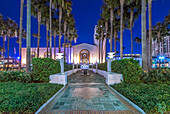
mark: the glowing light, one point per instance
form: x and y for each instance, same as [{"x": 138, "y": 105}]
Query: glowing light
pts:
[
  {"x": 111, "y": 54},
  {"x": 59, "y": 55},
  {"x": 161, "y": 57},
  {"x": 18, "y": 58}
]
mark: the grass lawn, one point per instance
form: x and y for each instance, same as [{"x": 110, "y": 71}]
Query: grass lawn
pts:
[
  {"x": 152, "y": 98},
  {"x": 25, "y": 97}
]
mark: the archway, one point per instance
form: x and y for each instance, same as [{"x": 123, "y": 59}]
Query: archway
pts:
[{"x": 84, "y": 56}]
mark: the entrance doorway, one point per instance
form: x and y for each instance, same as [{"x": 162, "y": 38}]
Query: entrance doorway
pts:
[{"x": 84, "y": 56}]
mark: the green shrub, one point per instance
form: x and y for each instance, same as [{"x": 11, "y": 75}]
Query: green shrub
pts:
[
  {"x": 129, "y": 68},
  {"x": 43, "y": 68},
  {"x": 25, "y": 98},
  {"x": 102, "y": 66},
  {"x": 152, "y": 98},
  {"x": 156, "y": 75},
  {"x": 19, "y": 76}
]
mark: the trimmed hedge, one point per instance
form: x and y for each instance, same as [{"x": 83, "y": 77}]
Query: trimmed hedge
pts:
[
  {"x": 102, "y": 66},
  {"x": 25, "y": 98},
  {"x": 19, "y": 76},
  {"x": 156, "y": 75},
  {"x": 152, "y": 98},
  {"x": 129, "y": 68},
  {"x": 43, "y": 68}
]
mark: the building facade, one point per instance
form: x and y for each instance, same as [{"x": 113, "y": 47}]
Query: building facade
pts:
[
  {"x": 82, "y": 53},
  {"x": 164, "y": 47}
]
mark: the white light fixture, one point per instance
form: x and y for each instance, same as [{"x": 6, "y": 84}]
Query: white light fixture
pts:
[
  {"x": 111, "y": 54},
  {"x": 59, "y": 55}
]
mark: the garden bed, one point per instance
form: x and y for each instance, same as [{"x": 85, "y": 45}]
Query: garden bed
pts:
[
  {"x": 152, "y": 98},
  {"x": 25, "y": 97}
]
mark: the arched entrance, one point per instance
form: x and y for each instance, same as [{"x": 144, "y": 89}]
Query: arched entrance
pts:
[{"x": 84, "y": 56}]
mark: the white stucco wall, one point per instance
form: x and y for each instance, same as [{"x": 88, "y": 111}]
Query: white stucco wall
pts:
[
  {"x": 44, "y": 50},
  {"x": 93, "y": 49}
]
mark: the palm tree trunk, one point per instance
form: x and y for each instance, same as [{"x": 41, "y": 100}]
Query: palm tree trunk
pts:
[
  {"x": 50, "y": 30},
  {"x": 70, "y": 51},
  {"x": 121, "y": 30},
  {"x": 47, "y": 27},
  {"x": 28, "y": 59},
  {"x": 111, "y": 32},
  {"x": 115, "y": 41},
  {"x": 60, "y": 17},
  {"x": 150, "y": 33},
  {"x": 131, "y": 24},
  {"x": 20, "y": 33},
  {"x": 65, "y": 27},
  {"x": 8, "y": 54},
  {"x": 4, "y": 36},
  {"x": 54, "y": 46},
  {"x": 102, "y": 46},
  {"x": 144, "y": 52},
  {"x": 162, "y": 45},
  {"x": 99, "y": 50},
  {"x": 38, "y": 42},
  {"x": 158, "y": 42},
  {"x": 106, "y": 30}
]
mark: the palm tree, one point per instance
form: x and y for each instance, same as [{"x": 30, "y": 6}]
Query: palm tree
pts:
[
  {"x": 38, "y": 6},
  {"x": 144, "y": 52},
  {"x": 105, "y": 15},
  {"x": 45, "y": 21},
  {"x": 121, "y": 29},
  {"x": 150, "y": 32},
  {"x": 3, "y": 31},
  {"x": 50, "y": 17},
  {"x": 20, "y": 32},
  {"x": 28, "y": 59},
  {"x": 61, "y": 5},
  {"x": 55, "y": 32},
  {"x": 134, "y": 7},
  {"x": 66, "y": 16},
  {"x": 11, "y": 28},
  {"x": 111, "y": 4}
]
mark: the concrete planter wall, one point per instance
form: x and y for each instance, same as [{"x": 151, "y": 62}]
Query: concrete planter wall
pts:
[
  {"x": 61, "y": 78},
  {"x": 111, "y": 78}
]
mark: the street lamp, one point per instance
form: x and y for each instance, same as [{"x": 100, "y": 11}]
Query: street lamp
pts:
[
  {"x": 60, "y": 58},
  {"x": 161, "y": 58},
  {"x": 109, "y": 60}
]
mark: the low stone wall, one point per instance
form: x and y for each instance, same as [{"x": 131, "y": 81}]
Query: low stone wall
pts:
[
  {"x": 61, "y": 78},
  {"x": 111, "y": 78}
]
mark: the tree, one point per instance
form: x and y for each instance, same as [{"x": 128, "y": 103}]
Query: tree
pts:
[
  {"x": 150, "y": 33},
  {"x": 112, "y": 4},
  {"x": 11, "y": 28},
  {"x": 28, "y": 59},
  {"x": 66, "y": 16},
  {"x": 38, "y": 6},
  {"x": 121, "y": 29},
  {"x": 3, "y": 31},
  {"x": 61, "y": 5},
  {"x": 55, "y": 33},
  {"x": 134, "y": 9},
  {"x": 144, "y": 52},
  {"x": 105, "y": 15},
  {"x": 50, "y": 16},
  {"x": 20, "y": 32}
]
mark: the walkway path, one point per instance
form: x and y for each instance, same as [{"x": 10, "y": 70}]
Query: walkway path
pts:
[{"x": 88, "y": 94}]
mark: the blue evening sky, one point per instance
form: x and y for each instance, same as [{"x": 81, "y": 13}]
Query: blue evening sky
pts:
[{"x": 86, "y": 13}]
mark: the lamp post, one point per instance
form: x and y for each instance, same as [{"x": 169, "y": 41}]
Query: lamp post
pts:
[
  {"x": 160, "y": 59},
  {"x": 109, "y": 60},
  {"x": 61, "y": 59}
]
